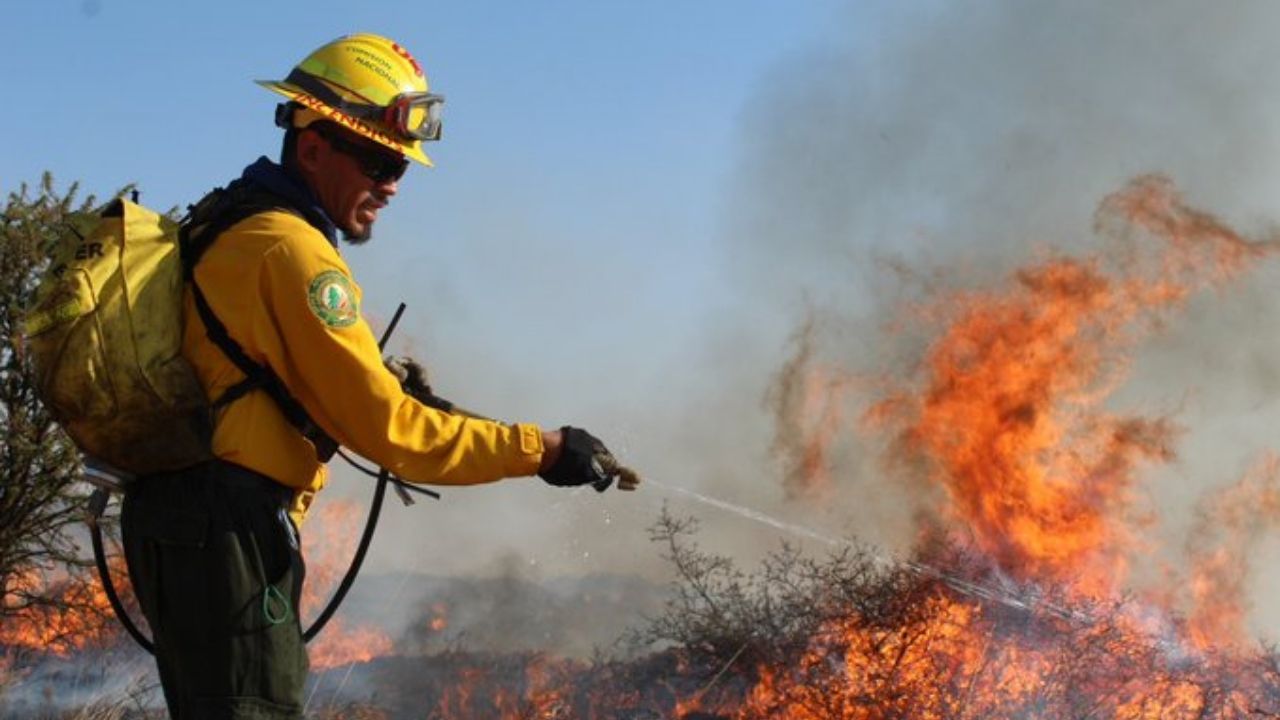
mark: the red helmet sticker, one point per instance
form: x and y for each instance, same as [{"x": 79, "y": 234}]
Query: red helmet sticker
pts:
[{"x": 405, "y": 54}]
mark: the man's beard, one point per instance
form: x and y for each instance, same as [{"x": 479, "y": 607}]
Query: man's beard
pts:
[{"x": 359, "y": 238}]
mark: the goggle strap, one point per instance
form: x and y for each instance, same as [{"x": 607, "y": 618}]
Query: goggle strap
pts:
[
  {"x": 394, "y": 116},
  {"x": 325, "y": 94}
]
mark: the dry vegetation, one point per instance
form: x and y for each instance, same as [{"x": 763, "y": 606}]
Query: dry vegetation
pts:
[
  {"x": 40, "y": 499},
  {"x": 847, "y": 636}
]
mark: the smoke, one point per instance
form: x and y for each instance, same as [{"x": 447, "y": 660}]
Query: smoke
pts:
[
  {"x": 103, "y": 683},
  {"x": 922, "y": 146},
  {"x": 970, "y": 132}
]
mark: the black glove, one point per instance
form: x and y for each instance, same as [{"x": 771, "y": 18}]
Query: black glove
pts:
[
  {"x": 584, "y": 460},
  {"x": 413, "y": 380}
]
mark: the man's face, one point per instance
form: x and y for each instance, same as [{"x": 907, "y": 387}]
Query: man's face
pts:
[{"x": 340, "y": 165}]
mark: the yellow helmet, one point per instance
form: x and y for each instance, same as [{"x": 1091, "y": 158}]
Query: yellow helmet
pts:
[{"x": 368, "y": 85}]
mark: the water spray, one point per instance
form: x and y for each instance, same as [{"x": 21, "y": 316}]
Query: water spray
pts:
[{"x": 959, "y": 584}]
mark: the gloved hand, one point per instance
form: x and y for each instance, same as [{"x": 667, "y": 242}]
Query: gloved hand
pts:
[
  {"x": 584, "y": 460},
  {"x": 413, "y": 380}
]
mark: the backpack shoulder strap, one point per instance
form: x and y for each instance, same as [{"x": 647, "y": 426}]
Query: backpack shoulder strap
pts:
[
  {"x": 213, "y": 215},
  {"x": 217, "y": 212}
]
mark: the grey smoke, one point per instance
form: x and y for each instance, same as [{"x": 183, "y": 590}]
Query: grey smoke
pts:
[
  {"x": 973, "y": 131},
  {"x": 947, "y": 143}
]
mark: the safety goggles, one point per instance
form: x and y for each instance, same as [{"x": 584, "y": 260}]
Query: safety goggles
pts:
[
  {"x": 377, "y": 164},
  {"x": 411, "y": 115},
  {"x": 415, "y": 115}
]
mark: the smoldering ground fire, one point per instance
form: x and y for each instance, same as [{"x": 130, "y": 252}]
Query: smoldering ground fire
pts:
[{"x": 1020, "y": 597}]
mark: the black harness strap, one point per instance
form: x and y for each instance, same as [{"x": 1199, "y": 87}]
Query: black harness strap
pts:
[
  {"x": 216, "y": 213},
  {"x": 259, "y": 377}
]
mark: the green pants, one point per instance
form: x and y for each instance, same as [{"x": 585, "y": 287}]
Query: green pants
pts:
[{"x": 215, "y": 564}]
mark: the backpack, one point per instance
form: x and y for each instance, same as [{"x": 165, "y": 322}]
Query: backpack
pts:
[{"x": 105, "y": 336}]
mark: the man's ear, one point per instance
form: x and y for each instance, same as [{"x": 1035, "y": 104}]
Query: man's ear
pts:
[{"x": 310, "y": 151}]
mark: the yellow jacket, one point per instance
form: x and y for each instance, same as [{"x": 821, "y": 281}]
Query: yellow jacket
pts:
[{"x": 286, "y": 296}]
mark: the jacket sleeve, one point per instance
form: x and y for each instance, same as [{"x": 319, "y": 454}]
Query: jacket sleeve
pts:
[{"x": 316, "y": 340}]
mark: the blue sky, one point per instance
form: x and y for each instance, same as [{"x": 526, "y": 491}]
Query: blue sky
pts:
[
  {"x": 559, "y": 86},
  {"x": 587, "y": 151}
]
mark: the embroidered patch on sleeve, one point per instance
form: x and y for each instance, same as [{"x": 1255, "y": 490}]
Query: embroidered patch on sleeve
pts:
[{"x": 332, "y": 299}]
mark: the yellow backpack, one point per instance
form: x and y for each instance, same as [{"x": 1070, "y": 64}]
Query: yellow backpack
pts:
[{"x": 105, "y": 338}]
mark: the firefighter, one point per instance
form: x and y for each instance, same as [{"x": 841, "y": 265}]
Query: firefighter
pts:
[{"x": 213, "y": 550}]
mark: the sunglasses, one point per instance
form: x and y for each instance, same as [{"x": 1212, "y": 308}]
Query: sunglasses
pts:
[{"x": 376, "y": 164}]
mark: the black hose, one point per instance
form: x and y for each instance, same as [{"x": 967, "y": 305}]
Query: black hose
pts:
[
  {"x": 370, "y": 524},
  {"x": 355, "y": 464},
  {"x": 108, "y": 587}
]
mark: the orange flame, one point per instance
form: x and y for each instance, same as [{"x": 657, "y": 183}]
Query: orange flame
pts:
[
  {"x": 539, "y": 688},
  {"x": 1009, "y": 416},
  {"x": 339, "y": 645},
  {"x": 807, "y": 402},
  {"x": 1230, "y": 523},
  {"x": 70, "y": 611},
  {"x": 329, "y": 540},
  {"x": 439, "y": 619}
]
